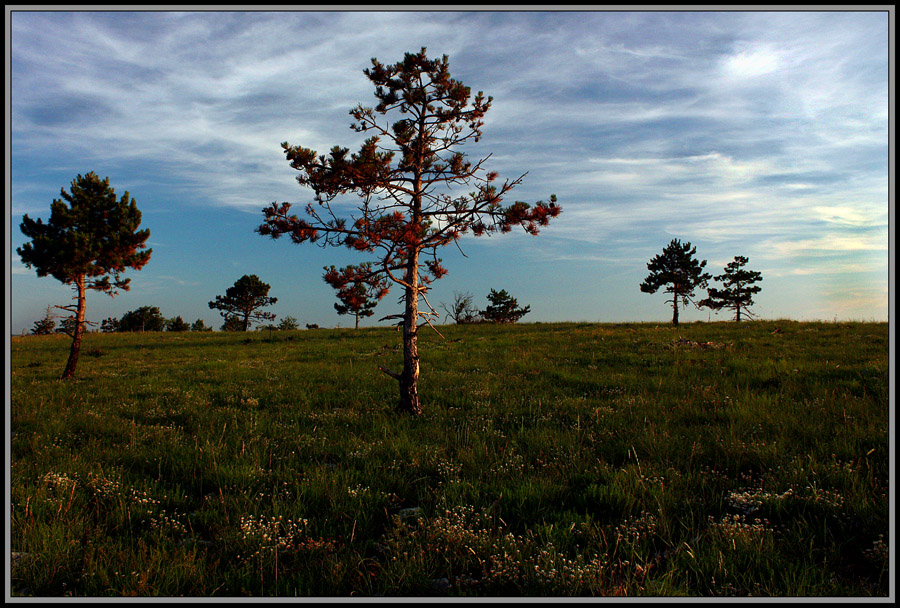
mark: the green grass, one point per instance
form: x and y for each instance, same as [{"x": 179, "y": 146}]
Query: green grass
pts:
[{"x": 551, "y": 459}]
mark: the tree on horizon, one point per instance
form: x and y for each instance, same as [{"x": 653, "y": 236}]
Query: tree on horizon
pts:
[
  {"x": 503, "y": 308},
  {"x": 738, "y": 291},
  {"x": 89, "y": 240},
  {"x": 360, "y": 296},
  {"x": 462, "y": 310},
  {"x": 407, "y": 175},
  {"x": 141, "y": 319},
  {"x": 679, "y": 272},
  {"x": 242, "y": 303}
]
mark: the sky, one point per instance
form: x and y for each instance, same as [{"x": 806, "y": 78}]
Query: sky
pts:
[{"x": 754, "y": 133}]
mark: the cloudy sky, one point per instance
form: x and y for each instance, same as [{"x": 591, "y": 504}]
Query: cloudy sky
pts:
[{"x": 762, "y": 134}]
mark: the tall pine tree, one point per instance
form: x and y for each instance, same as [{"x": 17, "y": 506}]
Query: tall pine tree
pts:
[
  {"x": 408, "y": 176},
  {"x": 89, "y": 240},
  {"x": 679, "y": 272}
]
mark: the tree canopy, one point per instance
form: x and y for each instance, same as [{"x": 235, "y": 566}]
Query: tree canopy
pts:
[
  {"x": 90, "y": 239},
  {"x": 358, "y": 297},
  {"x": 503, "y": 308},
  {"x": 408, "y": 176},
  {"x": 738, "y": 291},
  {"x": 144, "y": 318},
  {"x": 679, "y": 272},
  {"x": 242, "y": 303}
]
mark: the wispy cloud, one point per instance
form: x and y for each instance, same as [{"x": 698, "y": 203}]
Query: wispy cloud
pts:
[{"x": 763, "y": 131}]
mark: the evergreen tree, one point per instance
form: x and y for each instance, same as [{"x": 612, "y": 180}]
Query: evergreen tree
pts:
[
  {"x": 503, "y": 308},
  {"x": 357, "y": 297},
  {"x": 233, "y": 323},
  {"x": 177, "y": 324},
  {"x": 288, "y": 323},
  {"x": 738, "y": 291},
  {"x": 199, "y": 325},
  {"x": 408, "y": 176},
  {"x": 677, "y": 270},
  {"x": 145, "y": 318},
  {"x": 44, "y": 326},
  {"x": 89, "y": 240},
  {"x": 109, "y": 325},
  {"x": 67, "y": 326},
  {"x": 242, "y": 303}
]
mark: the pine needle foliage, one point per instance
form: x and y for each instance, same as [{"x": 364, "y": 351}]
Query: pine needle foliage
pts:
[
  {"x": 679, "y": 272},
  {"x": 90, "y": 239},
  {"x": 738, "y": 291},
  {"x": 407, "y": 175}
]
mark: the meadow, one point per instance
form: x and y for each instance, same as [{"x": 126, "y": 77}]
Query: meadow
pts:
[{"x": 709, "y": 459}]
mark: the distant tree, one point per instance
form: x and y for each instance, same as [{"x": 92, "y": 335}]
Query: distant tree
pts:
[
  {"x": 409, "y": 176},
  {"x": 462, "y": 310},
  {"x": 232, "y": 323},
  {"x": 677, "y": 270},
  {"x": 109, "y": 325},
  {"x": 358, "y": 289},
  {"x": 145, "y": 318},
  {"x": 45, "y": 326},
  {"x": 89, "y": 240},
  {"x": 243, "y": 302},
  {"x": 738, "y": 291},
  {"x": 503, "y": 308},
  {"x": 67, "y": 326},
  {"x": 288, "y": 323},
  {"x": 177, "y": 324},
  {"x": 199, "y": 325}
]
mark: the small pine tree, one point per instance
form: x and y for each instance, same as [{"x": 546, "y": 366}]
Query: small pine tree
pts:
[
  {"x": 233, "y": 323},
  {"x": 359, "y": 289},
  {"x": 67, "y": 326},
  {"x": 45, "y": 326},
  {"x": 288, "y": 323},
  {"x": 739, "y": 289},
  {"x": 503, "y": 308},
  {"x": 177, "y": 324},
  {"x": 145, "y": 318},
  {"x": 199, "y": 325},
  {"x": 242, "y": 303},
  {"x": 677, "y": 270}
]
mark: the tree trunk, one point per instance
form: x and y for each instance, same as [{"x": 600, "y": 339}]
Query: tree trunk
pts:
[
  {"x": 409, "y": 379},
  {"x": 357, "y": 320},
  {"x": 675, "y": 310},
  {"x": 79, "y": 331}
]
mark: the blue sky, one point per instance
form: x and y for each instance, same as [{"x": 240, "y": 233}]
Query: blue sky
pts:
[{"x": 763, "y": 134}]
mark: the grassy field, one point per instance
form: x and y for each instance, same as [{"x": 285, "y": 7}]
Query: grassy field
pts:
[{"x": 711, "y": 459}]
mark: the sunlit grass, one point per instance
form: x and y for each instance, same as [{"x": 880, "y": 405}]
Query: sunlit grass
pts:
[{"x": 552, "y": 459}]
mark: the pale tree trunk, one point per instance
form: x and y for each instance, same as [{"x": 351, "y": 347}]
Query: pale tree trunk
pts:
[
  {"x": 79, "y": 331},
  {"x": 409, "y": 378}
]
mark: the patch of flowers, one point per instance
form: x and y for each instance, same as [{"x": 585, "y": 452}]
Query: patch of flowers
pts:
[
  {"x": 468, "y": 549},
  {"x": 749, "y": 500}
]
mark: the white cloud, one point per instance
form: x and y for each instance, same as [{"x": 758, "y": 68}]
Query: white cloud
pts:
[
  {"x": 752, "y": 62},
  {"x": 832, "y": 242},
  {"x": 762, "y": 130}
]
